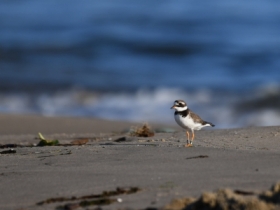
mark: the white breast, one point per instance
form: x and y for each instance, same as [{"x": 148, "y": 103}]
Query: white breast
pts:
[{"x": 184, "y": 122}]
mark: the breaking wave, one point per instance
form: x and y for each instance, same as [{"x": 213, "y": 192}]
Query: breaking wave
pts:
[{"x": 226, "y": 110}]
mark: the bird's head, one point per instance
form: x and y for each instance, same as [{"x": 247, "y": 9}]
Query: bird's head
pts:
[{"x": 179, "y": 105}]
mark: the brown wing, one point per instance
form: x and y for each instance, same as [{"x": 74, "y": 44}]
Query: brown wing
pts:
[{"x": 196, "y": 118}]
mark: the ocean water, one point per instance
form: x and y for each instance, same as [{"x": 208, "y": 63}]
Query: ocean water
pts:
[{"x": 129, "y": 60}]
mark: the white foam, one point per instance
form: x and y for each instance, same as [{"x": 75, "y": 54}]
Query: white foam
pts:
[{"x": 141, "y": 106}]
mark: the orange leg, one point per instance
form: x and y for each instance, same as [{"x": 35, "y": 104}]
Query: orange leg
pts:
[
  {"x": 188, "y": 136},
  {"x": 192, "y": 135}
]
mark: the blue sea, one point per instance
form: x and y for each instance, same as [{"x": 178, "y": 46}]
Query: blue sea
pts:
[{"x": 129, "y": 60}]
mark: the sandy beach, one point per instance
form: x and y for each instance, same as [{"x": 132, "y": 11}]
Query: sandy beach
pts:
[{"x": 113, "y": 170}]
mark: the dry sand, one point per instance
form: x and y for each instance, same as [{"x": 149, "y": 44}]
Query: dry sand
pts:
[{"x": 245, "y": 159}]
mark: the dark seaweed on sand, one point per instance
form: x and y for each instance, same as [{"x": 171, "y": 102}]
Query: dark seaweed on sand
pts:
[
  {"x": 103, "y": 198},
  {"x": 45, "y": 142},
  {"x": 10, "y": 151}
]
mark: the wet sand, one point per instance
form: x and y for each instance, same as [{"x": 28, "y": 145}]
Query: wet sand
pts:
[{"x": 159, "y": 166}]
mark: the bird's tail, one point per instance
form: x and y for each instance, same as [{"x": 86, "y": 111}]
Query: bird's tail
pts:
[{"x": 208, "y": 124}]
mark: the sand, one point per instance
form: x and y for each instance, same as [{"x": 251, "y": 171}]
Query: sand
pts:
[{"x": 160, "y": 168}]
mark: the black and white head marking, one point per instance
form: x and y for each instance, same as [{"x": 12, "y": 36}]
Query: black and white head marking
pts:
[{"x": 180, "y": 105}]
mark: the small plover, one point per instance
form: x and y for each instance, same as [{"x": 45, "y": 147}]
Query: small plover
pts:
[{"x": 188, "y": 120}]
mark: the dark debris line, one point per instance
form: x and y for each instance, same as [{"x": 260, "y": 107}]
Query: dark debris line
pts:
[
  {"x": 199, "y": 156},
  {"x": 10, "y": 151},
  {"x": 95, "y": 199}
]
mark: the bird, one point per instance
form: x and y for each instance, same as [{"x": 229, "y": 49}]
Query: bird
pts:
[{"x": 188, "y": 120}]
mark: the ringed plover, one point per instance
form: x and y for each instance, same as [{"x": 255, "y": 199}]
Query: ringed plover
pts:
[{"x": 188, "y": 119}]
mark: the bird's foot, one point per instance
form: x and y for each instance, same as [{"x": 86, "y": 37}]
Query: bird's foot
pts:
[{"x": 188, "y": 145}]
